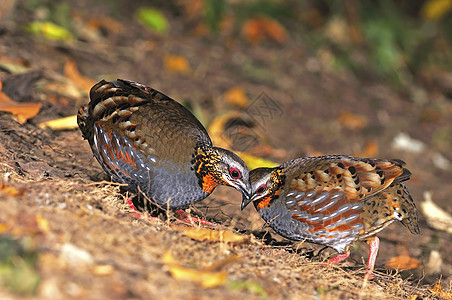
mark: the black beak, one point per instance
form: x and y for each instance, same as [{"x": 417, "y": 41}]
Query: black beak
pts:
[
  {"x": 246, "y": 201},
  {"x": 244, "y": 188}
]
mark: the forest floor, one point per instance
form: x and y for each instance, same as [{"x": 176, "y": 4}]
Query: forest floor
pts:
[{"x": 71, "y": 235}]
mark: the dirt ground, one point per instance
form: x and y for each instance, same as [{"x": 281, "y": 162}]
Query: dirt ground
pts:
[{"x": 87, "y": 245}]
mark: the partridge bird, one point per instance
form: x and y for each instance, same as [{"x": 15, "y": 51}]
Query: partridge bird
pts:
[
  {"x": 153, "y": 144},
  {"x": 334, "y": 200}
]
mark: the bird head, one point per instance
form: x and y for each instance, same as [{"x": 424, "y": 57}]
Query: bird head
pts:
[
  {"x": 216, "y": 166},
  {"x": 265, "y": 186}
]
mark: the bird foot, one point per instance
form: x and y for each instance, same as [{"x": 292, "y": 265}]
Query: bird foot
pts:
[
  {"x": 337, "y": 259},
  {"x": 135, "y": 213},
  {"x": 182, "y": 216}
]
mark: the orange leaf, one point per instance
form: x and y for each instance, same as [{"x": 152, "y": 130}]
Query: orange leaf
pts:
[
  {"x": 103, "y": 270},
  {"x": 237, "y": 96},
  {"x": 176, "y": 64},
  {"x": 61, "y": 124},
  {"x": 205, "y": 234},
  {"x": 403, "y": 262},
  {"x": 9, "y": 190},
  {"x": 22, "y": 111},
  {"x": 438, "y": 291},
  {"x": 105, "y": 22},
  {"x": 352, "y": 121},
  {"x": 82, "y": 82},
  {"x": 43, "y": 225},
  {"x": 370, "y": 150},
  {"x": 252, "y": 31},
  {"x": 4, "y": 227},
  {"x": 256, "y": 29},
  {"x": 276, "y": 31},
  {"x": 205, "y": 278}
]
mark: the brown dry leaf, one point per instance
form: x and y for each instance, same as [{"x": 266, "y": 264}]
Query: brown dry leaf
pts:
[
  {"x": 216, "y": 129},
  {"x": 370, "y": 150},
  {"x": 206, "y": 279},
  {"x": 103, "y": 270},
  {"x": 437, "y": 217},
  {"x": 236, "y": 96},
  {"x": 13, "y": 65},
  {"x": 194, "y": 9},
  {"x": 256, "y": 29},
  {"x": 403, "y": 262},
  {"x": 352, "y": 121},
  {"x": 205, "y": 234},
  {"x": 435, "y": 9},
  {"x": 10, "y": 190},
  {"x": 176, "y": 64},
  {"x": 61, "y": 124},
  {"x": 3, "y": 227},
  {"x": 438, "y": 291},
  {"x": 43, "y": 225},
  {"x": 82, "y": 82},
  {"x": 22, "y": 111},
  {"x": 105, "y": 22}
]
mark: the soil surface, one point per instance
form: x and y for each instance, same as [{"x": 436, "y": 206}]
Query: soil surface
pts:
[{"x": 298, "y": 107}]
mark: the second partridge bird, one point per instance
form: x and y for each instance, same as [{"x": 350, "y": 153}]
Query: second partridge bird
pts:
[
  {"x": 149, "y": 141},
  {"x": 334, "y": 200}
]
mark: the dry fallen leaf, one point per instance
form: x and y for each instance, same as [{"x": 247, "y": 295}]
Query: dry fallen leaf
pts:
[
  {"x": 176, "y": 64},
  {"x": 436, "y": 217},
  {"x": 205, "y": 234},
  {"x": 43, "y": 225},
  {"x": 206, "y": 279},
  {"x": 217, "y": 129},
  {"x": 4, "y": 227},
  {"x": 435, "y": 9},
  {"x": 369, "y": 150},
  {"x": 434, "y": 264},
  {"x": 256, "y": 29},
  {"x": 438, "y": 291},
  {"x": 237, "y": 96},
  {"x": 404, "y": 142},
  {"x": 10, "y": 190},
  {"x": 352, "y": 121},
  {"x": 253, "y": 162},
  {"x": 104, "y": 22},
  {"x": 403, "y": 262},
  {"x": 103, "y": 270},
  {"x": 61, "y": 124},
  {"x": 82, "y": 82},
  {"x": 22, "y": 111}
]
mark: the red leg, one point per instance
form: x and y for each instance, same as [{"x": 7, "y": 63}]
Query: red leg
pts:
[
  {"x": 337, "y": 259},
  {"x": 184, "y": 217},
  {"x": 374, "y": 244},
  {"x": 135, "y": 212}
]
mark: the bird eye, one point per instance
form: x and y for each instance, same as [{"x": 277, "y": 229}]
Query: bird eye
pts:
[
  {"x": 261, "y": 189},
  {"x": 235, "y": 173}
]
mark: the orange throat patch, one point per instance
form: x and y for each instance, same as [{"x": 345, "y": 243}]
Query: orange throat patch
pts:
[
  {"x": 208, "y": 183},
  {"x": 265, "y": 202}
]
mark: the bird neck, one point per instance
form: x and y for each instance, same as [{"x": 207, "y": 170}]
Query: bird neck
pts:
[{"x": 206, "y": 161}]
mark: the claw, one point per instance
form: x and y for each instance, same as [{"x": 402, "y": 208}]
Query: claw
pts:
[{"x": 337, "y": 259}]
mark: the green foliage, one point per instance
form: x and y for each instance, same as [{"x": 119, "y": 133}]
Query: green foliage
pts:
[
  {"x": 214, "y": 13},
  {"x": 18, "y": 261},
  {"x": 250, "y": 286},
  {"x": 153, "y": 19}
]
